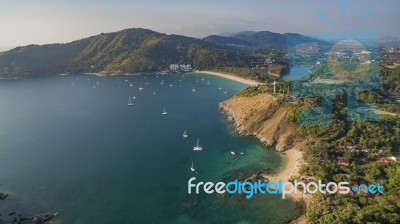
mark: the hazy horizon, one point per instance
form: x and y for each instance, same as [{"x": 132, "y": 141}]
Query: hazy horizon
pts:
[{"x": 27, "y": 22}]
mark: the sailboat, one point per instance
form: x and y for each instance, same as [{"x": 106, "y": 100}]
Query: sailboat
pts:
[
  {"x": 185, "y": 135},
  {"x": 233, "y": 153},
  {"x": 192, "y": 168},
  {"x": 220, "y": 87},
  {"x": 130, "y": 84},
  {"x": 164, "y": 112},
  {"x": 226, "y": 91},
  {"x": 140, "y": 88},
  {"x": 130, "y": 103},
  {"x": 97, "y": 83},
  {"x": 170, "y": 85},
  {"x": 193, "y": 90},
  {"x": 197, "y": 147}
]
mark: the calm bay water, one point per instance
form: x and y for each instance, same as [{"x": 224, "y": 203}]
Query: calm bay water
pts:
[{"x": 68, "y": 147}]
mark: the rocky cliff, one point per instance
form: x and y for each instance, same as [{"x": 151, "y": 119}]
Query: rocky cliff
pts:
[{"x": 261, "y": 116}]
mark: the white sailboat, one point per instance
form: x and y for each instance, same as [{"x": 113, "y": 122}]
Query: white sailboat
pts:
[
  {"x": 130, "y": 84},
  {"x": 197, "y": 147},
  {"x": 140, "y": 87},
  {"x": 130, "y": 103},
  {"x": 192, "y": 168},
  {"x": 233, "y": 153},
  {"x": 193, "y": 89},
  {"x": 164, "y": 112},
  {"x": 220, "y": 87},
  {"x": 226, "y": 91},
  {"x": 185, "y": 135}
]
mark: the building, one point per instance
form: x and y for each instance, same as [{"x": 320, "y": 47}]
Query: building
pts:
[
  {"x": 185, "y": 68},
  {"x": 180, "y": 67},
  {"x": 342, "y": 161},
  {"x": 174, "y": 67}
]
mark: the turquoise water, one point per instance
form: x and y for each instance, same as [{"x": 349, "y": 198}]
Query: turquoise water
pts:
[{"x": 70, "y": 148}]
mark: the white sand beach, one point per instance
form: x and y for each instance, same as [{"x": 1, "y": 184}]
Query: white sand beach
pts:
[{"x": 232, "y": 77}]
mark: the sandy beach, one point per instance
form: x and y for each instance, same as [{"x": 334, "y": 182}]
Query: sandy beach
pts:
[
  {"x": 294, "y": 159},
  {"x": 232, "y": 77}
]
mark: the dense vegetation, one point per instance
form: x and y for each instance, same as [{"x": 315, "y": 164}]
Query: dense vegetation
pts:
[
  {"x": 371, "y": 144},
  {"x": 365, "y": 149}
]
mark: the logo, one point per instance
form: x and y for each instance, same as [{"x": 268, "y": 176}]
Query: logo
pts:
[
  {"x": 344, "y": 61},
  {"x": 279, "y": 187}
]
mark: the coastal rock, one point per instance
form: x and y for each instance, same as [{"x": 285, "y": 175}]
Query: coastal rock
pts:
[
  {"x": 3, "y": 196},
  {"x": 261, "y": 116},
  {"x": 40, "y": 219}
]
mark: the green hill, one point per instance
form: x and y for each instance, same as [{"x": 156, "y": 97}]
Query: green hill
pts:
[{"x": 130, "y": 50}]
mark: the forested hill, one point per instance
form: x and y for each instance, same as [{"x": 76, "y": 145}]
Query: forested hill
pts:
[{"x": 131, "y": 50}]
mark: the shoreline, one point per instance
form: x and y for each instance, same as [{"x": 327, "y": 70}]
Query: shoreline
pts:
[
  {"x": 293, "y": 156},
  {"x": 232, "y": 77},
  {"x": 290, "y": 169}
]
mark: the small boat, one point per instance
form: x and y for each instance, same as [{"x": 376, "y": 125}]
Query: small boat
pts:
[
  {"x": 140, "y": 88},
  {"x": 242, "y": 153},
  {"x": 130, "y": 103},
  {"x": 193, "y": 90},
  {"x": 154, "y": 93},
  {"x": 192, "y": 168},
  {"x": 134, "y": 97},
  {"x": 164, "y": 112},
  {"x": 130, "y": 84},
  {"x": 197, "y": 80},
  {"x": 97, "y": 83},
  {"x": 162, "y": 82},
  {"x": 233, "y": 153},
  {"x": 147, "y": 83},
  {"x": 170, "y": 85},
  {"x": 208, "y": 83},
  {"x": 197, "y": 147},
  {"x": 185, "y": 135},
  {"x": 226, "y": 91},
  {"x": 94, "y": 87},
  {"x": 202, "y": 78},
  {"x": 220, "y": 87}
]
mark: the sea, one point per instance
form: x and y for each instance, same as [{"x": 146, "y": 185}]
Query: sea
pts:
[{"x": 71, "y": 144}]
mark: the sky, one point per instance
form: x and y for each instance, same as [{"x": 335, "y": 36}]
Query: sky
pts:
[{"x": 26, "y": 22}]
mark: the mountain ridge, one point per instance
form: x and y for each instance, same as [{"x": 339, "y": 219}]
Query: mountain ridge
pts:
[{"x": 137, "y": 50}]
